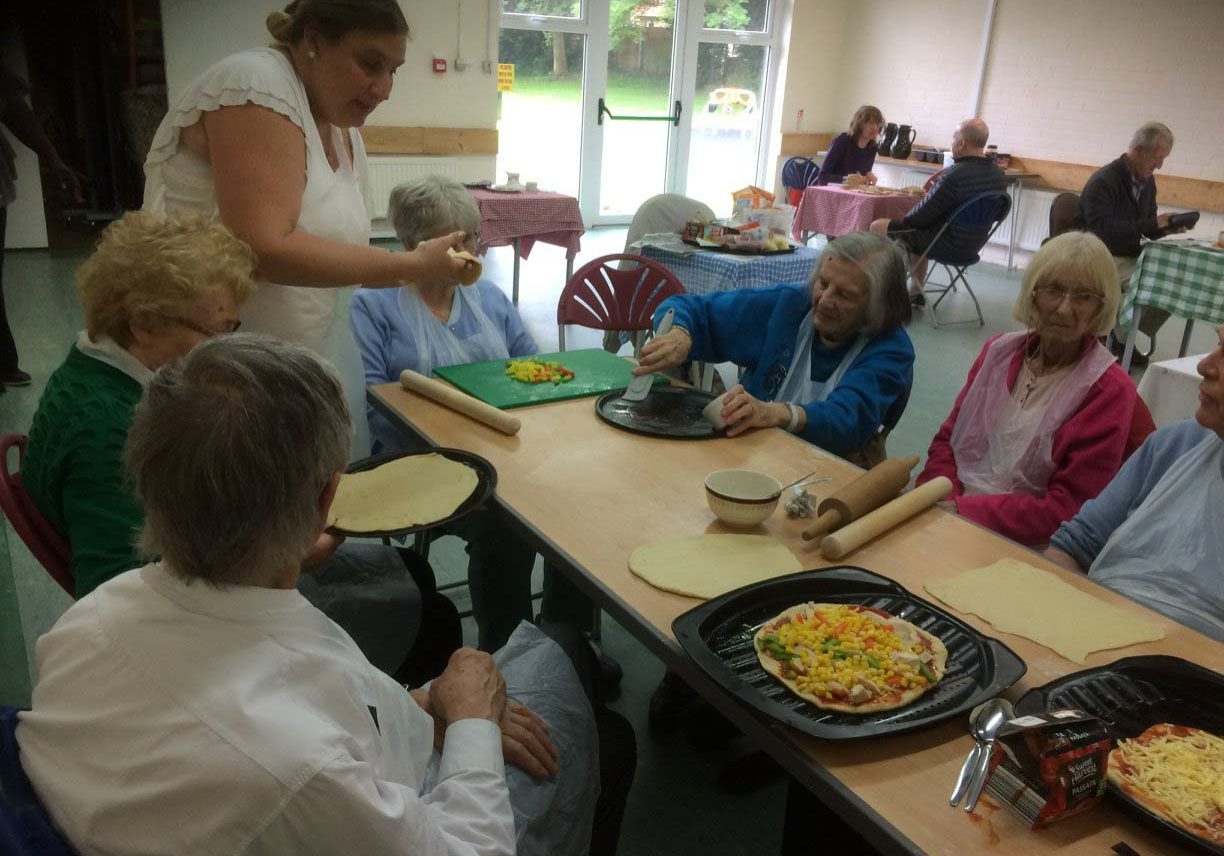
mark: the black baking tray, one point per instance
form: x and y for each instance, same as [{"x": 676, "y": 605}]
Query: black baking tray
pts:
[
  {"x": 1131, "y": 695},
  {"x": 486, "y": 485},
  {"x": 668, "y": 411},
  {"x": 718, "y": 636}
]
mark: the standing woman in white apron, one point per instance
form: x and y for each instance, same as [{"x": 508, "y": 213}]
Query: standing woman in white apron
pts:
[
  {"x": 267, "y": 139},
  {"x": 829, "y": 361}
]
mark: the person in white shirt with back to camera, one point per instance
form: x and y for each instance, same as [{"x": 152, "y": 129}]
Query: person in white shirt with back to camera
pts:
[{"x": 200, "y": 705}]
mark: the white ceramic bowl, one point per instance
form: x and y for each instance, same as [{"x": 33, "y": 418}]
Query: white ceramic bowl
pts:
[{"x": 742, "y": 497}]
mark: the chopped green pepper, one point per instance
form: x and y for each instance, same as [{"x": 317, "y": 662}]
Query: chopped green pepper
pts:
[
  {"x": 926, "y": 672},
  {"x": 873, "y": 662}
]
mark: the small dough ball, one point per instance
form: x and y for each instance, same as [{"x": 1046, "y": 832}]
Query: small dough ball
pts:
[{"x": 473, "y": 268}]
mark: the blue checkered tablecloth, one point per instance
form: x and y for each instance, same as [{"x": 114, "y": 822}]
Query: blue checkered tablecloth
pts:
[{"x": 705, "y": 272}]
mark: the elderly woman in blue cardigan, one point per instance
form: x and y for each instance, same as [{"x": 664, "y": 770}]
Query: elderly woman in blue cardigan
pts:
[{"x": 829, "y": 361}]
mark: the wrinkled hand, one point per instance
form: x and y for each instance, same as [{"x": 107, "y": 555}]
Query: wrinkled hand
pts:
[
  {"x": 871, "y": 177},
  {"x": 742, "y": 412},
  {"x": 525, "y": 742},
  {"x": 1162, "y": 222},
  {"x": 472, "y": 687},
  {"x": 434, "y": 264},
  {"x": 322, "y": 550},
  {"x": 664, "y": 352}
]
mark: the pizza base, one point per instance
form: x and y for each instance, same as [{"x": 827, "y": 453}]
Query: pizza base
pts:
[
  {"x": 707, "y": 566},
  {"x": 893, "y": 701},
  {"x": 401, "y": 493}
]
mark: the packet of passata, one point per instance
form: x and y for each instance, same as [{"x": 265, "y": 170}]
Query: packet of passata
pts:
[{"x": 1050, "y": 766}]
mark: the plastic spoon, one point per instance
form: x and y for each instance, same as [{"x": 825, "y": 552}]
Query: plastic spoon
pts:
[{"x": 640, "y": 386}]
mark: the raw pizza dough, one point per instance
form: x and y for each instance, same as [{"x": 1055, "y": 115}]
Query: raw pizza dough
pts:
[
  {"x": 401, "y": 493},
  {"x": 1020, "y": 599},
  {"x": 471, "y": 271},
  {"x": 930, "y": 648},
  {"x": 709, "y": 565}
]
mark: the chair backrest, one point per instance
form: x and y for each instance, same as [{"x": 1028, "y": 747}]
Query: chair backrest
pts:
[
  {"x": 1063, "y": 211},
  {"x": 969, "y": 228},
  {"x": 798, "y": 173},
  {"x": 604, "y": 297},
  {"x": 666, "y": 212},
  {"x": 47, "y": 544},
  {"x": 25, "y": 827}
]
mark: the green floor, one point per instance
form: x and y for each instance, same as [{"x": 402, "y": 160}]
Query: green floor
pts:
[{"x": 45, "y": 318}]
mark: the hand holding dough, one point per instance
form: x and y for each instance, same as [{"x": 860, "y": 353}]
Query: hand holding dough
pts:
[{"x": 473, "y": 268}]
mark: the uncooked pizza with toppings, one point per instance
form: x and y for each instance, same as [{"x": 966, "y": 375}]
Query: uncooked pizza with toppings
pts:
[{"x": 850, "y": 658}]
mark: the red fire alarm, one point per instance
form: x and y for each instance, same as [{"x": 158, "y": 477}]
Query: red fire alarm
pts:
[{"x": 439, "y": 66}]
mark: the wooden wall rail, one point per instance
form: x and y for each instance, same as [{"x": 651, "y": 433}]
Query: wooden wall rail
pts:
[
  {"x": 389, "y": 140},
  {"x": 1198, "y": 193}
]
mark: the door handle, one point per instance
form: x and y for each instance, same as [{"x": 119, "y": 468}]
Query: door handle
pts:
[{"x": 604, "y": 111}]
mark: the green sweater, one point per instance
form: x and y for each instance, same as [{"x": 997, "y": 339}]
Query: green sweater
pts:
[{"x": 73, "y": 466}]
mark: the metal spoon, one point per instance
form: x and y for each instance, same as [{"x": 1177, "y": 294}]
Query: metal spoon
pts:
[
  {"x": 985, "y": 727},
  {"x": 797, "y": 481}
]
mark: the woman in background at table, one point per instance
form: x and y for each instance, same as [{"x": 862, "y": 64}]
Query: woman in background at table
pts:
[
  {"x": 829, "y": 362},
  {"x": 1047, "y": 416},
  {"x": 854, "y": 151}
]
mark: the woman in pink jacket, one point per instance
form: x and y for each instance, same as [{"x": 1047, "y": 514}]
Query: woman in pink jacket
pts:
[{"x": 1047, "y": 416}]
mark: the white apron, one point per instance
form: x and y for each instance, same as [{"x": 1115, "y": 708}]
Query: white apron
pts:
[{"x": 798, "y": 386}]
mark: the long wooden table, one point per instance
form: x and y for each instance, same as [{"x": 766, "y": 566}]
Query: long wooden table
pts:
[{"x": 588, "y": 494}]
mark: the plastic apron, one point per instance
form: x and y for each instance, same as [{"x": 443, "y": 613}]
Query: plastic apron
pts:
[
  {"x": 798, "y": 386},
  {"x": 997, "y": 448},
  {"x": 438, "y": 345}
]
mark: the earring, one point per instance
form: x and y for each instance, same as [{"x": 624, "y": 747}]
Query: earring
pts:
[{"x": 312, "y": 55}]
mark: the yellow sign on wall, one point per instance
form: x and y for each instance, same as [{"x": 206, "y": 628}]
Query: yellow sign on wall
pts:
[{"x": 505, "y": 77}]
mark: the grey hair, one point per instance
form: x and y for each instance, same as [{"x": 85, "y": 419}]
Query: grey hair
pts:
[
  {"x": 1150, "y": 135},
  {"x": 883, "y": 262},
  {"x": 229, "y": 451},
  {"x": 425, "y": 208}
]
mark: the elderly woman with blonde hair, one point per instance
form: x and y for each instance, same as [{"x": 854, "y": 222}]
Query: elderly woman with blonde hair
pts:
[{"x": 1046, "y": 417}]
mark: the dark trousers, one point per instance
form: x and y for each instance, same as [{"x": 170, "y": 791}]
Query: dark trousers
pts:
[{"x": 8, "y": 348}]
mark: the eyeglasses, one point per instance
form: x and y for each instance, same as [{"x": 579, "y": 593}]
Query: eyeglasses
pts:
[
  {"x": 203, "y": 331},
  {"x": 1052, "y": 296}
]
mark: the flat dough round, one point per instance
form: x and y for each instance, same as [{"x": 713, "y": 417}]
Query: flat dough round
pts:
[
  {"x": 473, "y": 269},
  {"x": 892, "y": 698},
  {"x": 706, "y": 566},
  {"x": 405, "y": 492}
]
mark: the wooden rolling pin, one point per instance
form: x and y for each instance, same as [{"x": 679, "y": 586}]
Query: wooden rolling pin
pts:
[
  {"x": 863, "y": 495},
  {"x": 858, "y": 533},
  {"x": 460, "y": 402}
]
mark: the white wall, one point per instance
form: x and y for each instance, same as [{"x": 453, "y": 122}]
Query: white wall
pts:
[
  {"x": 813, "y": 57},
  {"x": 197, "y": 34}
]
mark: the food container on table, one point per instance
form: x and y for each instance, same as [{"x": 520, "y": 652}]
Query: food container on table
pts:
[{"x": 742, "y": 497}]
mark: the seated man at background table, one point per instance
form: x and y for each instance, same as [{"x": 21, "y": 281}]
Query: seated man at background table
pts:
[
  {"x": 1154, "y": 534},
  {"x": 970, "y": 174},
  {"x": 1118, "y": 205},
  {"x": 200, "y": 705}
]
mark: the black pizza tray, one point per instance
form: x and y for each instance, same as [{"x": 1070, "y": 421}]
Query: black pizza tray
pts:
[
  {"x": 668, "y": 411},
  {"x": 1131, "y": 695},
  {"x": 486, "y": 484},
  {"x": 718, "y": 636}
]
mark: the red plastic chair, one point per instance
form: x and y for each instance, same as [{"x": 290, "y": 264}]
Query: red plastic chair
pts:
[
  {"x": 603, "y": 297},
  {"x": 47, "y": 544}
]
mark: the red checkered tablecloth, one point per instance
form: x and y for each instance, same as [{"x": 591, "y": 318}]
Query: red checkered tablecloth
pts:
[
  {"x": 832, "y": 210},
  {"x": 530, "y": 216}
]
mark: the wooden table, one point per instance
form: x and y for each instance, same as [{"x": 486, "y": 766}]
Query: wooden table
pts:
[{"x": 588, "y": 494}]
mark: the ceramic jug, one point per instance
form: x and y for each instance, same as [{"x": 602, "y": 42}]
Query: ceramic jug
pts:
[
  {"x": 886, "y": 139},
  {"x": 905, "y": 142}
]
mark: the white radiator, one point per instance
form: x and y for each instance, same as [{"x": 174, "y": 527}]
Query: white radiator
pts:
[{"x": 386, "y": 171}]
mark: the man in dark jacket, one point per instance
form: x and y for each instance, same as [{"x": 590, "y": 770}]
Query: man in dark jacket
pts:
[
  {"x": 970, "y": 174},
  {"x": 1118, "y": 205}
]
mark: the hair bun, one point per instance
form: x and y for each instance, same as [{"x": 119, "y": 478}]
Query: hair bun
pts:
[{"x": 280, "y": 25}]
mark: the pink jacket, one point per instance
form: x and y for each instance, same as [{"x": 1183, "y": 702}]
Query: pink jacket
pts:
[{"x": 1088, "y": 450}]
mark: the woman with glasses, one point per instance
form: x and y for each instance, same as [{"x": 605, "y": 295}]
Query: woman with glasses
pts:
[{"x": 1047, "y": 416}]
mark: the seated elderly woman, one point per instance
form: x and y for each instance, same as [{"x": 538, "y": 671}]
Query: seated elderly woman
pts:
[
  {"x": 1046, "y": 417},
  {"x": 829, "y": 362},
  {"x": 1153, "y": 533},
  {"x": 422, "y": 326},
  {"x": 154, "y": 289},
  {"x": 205, "y": 672}
]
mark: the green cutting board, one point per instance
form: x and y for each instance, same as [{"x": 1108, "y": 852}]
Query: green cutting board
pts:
[{"x": 595, "y": 372}]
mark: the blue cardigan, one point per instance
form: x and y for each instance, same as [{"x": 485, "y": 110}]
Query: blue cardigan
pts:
[{"x": 758, "y": 329}]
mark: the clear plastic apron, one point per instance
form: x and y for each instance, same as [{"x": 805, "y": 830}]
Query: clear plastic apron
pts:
[{"x": 798, "y": 386}]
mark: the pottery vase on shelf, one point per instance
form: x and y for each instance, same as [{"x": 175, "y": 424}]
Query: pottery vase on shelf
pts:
[
  {"x": 905, "y": 142},
  {"x": 884, "y": 147}
]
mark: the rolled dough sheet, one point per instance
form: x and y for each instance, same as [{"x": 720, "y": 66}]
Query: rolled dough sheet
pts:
[
  {"x": 709, "y": 565},
  {"x": 404, "y": 492},
  {"x": 1026, "y": 601}
]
